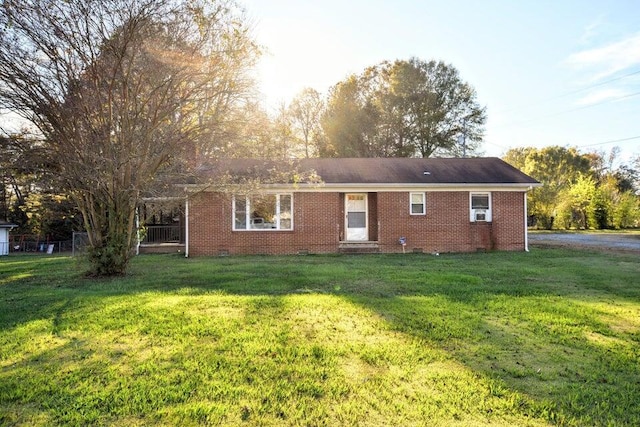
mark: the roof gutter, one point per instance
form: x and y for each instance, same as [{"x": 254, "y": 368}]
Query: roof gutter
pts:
[{"x": 338, "y": 187}]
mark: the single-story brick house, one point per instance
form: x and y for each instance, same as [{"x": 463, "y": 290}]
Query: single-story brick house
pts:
[{"x": 362, "y": 205}]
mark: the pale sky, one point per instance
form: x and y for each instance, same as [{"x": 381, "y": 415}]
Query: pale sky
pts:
[{"x": 549, "y": 72}]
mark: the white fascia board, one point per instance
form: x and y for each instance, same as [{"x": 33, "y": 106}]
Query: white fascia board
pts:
[
  {"x": 414, "y": 187},
  {"x": 345, "y": 188}
]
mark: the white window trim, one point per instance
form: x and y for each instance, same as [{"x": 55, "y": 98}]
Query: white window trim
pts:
[
  {"x": 248, "y": 213},
  {"x": 424, "y": 203},
  {"x": 488, "y": 212}
]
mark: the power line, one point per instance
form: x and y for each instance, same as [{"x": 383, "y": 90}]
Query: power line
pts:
[
  {"x": 630, "y": 95},
  {"x": 573, "y": 92},
  {"x": 597, "y": 84},
  {"x": 612, "y": 141},
  {"x": 609, "y": 142},
  {"x": 495, "y": 145},
  {"x": 584, "y": 107}
]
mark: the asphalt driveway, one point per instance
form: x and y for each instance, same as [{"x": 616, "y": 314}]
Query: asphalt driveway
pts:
[{"x": 605, "y": 241}]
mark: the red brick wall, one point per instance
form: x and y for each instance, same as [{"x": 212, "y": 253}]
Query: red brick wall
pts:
[
  {"x": 446, "y": 226},
  {"x": 211, "y": 223},
  {"x": 508, "y": 220},
  {"x": 318, "y": 225}
]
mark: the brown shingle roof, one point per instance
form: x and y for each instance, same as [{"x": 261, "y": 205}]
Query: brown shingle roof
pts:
[
  {"x": 487, "y": 170},
  {"x": 417, "y": 171}
]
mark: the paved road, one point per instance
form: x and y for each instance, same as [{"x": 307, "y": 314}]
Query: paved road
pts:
[{"x": 614, "y": 241}]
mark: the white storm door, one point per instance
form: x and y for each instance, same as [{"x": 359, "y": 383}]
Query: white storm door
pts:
[{"x": 356, "y": 216}]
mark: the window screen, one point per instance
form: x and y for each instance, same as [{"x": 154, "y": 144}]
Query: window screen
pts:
[
  {"x": 417, "y": 204},
  {"x": 357, "y": 220},
  {"x": 479, "y": 201}
]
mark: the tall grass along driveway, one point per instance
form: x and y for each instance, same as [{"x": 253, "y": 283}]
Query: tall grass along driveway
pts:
[{"x": 551, "y": 337}]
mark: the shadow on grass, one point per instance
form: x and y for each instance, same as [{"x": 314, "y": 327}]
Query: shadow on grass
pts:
[
  {"x": 574, "y": 370},
  {"x": 550, "y": 325}
]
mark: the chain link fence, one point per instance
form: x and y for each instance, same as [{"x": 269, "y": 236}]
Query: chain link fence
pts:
[{"x": 35, "y": 246}]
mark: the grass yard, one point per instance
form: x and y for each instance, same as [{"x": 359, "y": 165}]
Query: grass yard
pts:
[{"x": 551, "y": 337}]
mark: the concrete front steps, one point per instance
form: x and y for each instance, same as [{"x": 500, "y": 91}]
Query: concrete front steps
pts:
[{"x": 367, "y": 247}]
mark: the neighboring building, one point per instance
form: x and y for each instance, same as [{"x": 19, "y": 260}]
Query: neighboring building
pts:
[
  {"x": 361, "y": 205},
  {"x": 5, "y": 227}
]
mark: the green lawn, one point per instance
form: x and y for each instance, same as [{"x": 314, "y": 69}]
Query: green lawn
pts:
[{"x": 542, "y": 338}]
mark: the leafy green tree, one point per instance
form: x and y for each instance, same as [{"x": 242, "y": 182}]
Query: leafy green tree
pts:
[
  {"x": 615, "y": 187},
  {"x": 626, "y": 212},
  {"x": 627, "y": 178},
  {"x": 16, "y": 175},
  {"x": 29, "y": 194},
  {"x": 252, "y": 133},
  {"x": 615, "y": 200},
  {"x": 305, "y": 112},
  {"x": 282, "y": 134},
  {"x": 121, "y": 92},
  {"x": 517, "y": 157},
  {"x": 556, "y": 168},
  {"x": 579, "y": 190},
  {"x": 581, "y": 196},
  {"x": 350, "y": 121},
  {"x": 50, "y": 214},
  {"x": 406, "y": 108},
  {"x": 427, "y": 108}
]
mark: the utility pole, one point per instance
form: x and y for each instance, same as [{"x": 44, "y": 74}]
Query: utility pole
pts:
[{"x": 462, "y": 139}]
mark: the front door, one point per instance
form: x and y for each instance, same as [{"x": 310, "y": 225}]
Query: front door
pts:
[{"x": 356, "y": 217}]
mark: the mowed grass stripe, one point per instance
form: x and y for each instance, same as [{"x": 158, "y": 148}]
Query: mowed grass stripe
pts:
[{"x": 548, "y": 337}]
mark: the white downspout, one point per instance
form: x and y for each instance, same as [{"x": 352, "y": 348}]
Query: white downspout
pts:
[
  {"x": 137, "y": 231},
  {"x": 186, "y": 227},
  {"x": 526, "y": 220}
]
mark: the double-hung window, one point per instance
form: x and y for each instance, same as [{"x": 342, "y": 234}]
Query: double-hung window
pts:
[
  {"x": 417, "y": 204},
  {"x": 480, "y": 207},
  {"x": 264, "y": 212}
]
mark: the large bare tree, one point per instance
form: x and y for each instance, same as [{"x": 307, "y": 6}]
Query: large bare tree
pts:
[{"x": 121, "y": 91}]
